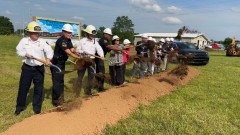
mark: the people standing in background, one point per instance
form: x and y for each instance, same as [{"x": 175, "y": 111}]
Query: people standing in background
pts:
[
  {"x": 126, "y": 55},
  {"x": 159, "y": 54},
  {"x": 151, "y": 57},
  {"x": 32, "y": 70},
  {"x": 166, "y": 48},
  {"x": 116, "y": 58},
  {"x": 138, "y": 62}
]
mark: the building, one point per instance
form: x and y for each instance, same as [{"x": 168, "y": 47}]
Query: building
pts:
[{"x": 197, "y": 39}]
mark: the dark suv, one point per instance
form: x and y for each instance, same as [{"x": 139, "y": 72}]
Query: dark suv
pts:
[{"x": 200, "y": 57}]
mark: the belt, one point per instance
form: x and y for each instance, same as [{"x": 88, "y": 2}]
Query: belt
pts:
[{"x": 32, "y": 66}]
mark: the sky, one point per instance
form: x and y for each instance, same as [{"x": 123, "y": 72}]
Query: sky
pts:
[{"x": 217, "y": 19}]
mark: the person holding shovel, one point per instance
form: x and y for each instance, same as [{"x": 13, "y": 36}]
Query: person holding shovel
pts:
[
  {"x": 62, "y": 50},
  {"x": 126, "y": 55},
  {"x": 116, "y": 66},
  {"x": 30, "y": 49},
  {"x": 88, "y": 46},
  {"x": 100, "y": 68}
]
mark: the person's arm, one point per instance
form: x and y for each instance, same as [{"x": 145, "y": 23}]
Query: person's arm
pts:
[
  {"x": 21, "y": 51},
  {"x": 67, "y": 49},
  {"x": 115, "y": 48},
  {"x": 70, "y": 53},
  {"x": 100, "y": 51},
  {"x": 49, "y": 52}
]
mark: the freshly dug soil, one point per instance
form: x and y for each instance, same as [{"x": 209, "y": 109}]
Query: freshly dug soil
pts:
[{"x": 92, "y": 114}]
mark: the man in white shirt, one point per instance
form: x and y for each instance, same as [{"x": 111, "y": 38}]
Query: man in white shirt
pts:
[
  {"x": 32, "y": 70},
  {"x": 90, "y": 46}
]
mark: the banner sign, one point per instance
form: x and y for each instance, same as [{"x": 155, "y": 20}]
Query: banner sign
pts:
[{"x": 53, "y": 27}]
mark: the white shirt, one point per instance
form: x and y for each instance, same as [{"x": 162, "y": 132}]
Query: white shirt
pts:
[
  {"x": 87, "y": 45},
  {"x": 35, "y": 48}
]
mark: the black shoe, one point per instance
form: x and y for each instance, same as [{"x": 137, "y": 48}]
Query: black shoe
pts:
[
  {"x": 102, "y": 90},
  {"x": 17, "y": 112},
  {"x": 37, "y": 112}
]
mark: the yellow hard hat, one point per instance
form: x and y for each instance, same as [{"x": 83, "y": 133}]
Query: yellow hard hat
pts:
[
  {"x": 33, "y": 27},
  {"x": 90, "y": 29}
]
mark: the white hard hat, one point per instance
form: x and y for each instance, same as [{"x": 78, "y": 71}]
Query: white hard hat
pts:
[
  {"x": 172, "y": 39},
  {"x": 67, "y": 27},
  {"x": 126, "y": 41},
  {"x": 144, "y": 35},
  {"x": 90, "y": 29},
  {"x": 115, "y": 37},
  {"x": 33, "y": 27},
  {"x": 162, "y": 40},
  {"x": 108, "y": 31},
  {"x": 167, "y": 39},
  {"x": 150, "y": 38}
]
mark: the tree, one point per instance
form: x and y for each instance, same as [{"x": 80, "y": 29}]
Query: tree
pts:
[
  {"x": 19, "y": 32},
  {"x": 84, "y": 26},
  {"x": 83, "y": 34},
  {"x": 124, "y": 28},
  {"x": 6, "y": 26},
  {"x": 227, "y": 42},
  {"x": 100, "y": 32}
]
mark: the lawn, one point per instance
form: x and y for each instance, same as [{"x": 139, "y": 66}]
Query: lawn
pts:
[{"x": 209, "y": 104}]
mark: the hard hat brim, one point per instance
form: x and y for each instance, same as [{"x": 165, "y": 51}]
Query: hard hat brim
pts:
[
  {"x": 89, "y": 33},
  {"x": 33, "y": 31}
]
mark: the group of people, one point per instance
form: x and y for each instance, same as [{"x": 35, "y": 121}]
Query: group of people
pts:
[
  {"x": 153, "y": 57},
  {"x": 33, "y": 51}
]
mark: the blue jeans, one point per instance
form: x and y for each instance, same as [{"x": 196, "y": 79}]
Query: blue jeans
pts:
[{"x": 142, "y": 68}]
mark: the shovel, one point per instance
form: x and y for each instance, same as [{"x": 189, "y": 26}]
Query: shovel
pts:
[
  {"x": 97, "y": 56},
  {"x": 45, "y": 62}
]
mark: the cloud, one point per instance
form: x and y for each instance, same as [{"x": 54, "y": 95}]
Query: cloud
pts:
[
  {"x": 171, "y": 20},
  {"x": 174, "y": 10},
  {"x": 39, "y": 7},
  {"x": 236, "y": 9},
  {"x": 27, "y": 2},
  {"x": 54, "y": 1},
  {"x": 78, "y": 18},
  {"x": 8, "y": 12},
  {"x": 148, "y": 5}
]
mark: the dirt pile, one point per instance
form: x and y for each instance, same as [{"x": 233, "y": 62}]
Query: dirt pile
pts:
[{"x": 94, "y": 113}]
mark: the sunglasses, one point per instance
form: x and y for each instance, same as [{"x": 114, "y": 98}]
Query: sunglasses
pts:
[{"x": 117, "y": 40}]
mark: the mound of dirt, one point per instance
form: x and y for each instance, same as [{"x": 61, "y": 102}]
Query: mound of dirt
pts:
[{"x": 94, "y": 113}]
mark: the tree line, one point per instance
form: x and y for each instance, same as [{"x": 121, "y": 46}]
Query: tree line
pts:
[{"x": 123, "y": 27}]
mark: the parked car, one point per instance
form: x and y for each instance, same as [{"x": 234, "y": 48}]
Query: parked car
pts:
[{"x": 199, "y": 57}]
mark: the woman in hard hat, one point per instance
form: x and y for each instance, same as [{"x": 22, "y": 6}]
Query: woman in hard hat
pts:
[
  {"x": 88, "y": 45},
  {"x": 62, "y": 49},
  {"x": 32, "y": 70},
  {"x": 116, "y": 66},
  {"x": 126, "y": 55}
]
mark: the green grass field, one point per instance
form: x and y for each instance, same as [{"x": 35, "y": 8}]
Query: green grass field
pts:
[{"x": 209, "y": 104}]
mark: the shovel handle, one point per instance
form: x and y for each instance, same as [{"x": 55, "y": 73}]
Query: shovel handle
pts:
[
  {"x": 51, "y": 65},
  {"x": 93, "y": 55},
  {"x": 40, "y": 60}
]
